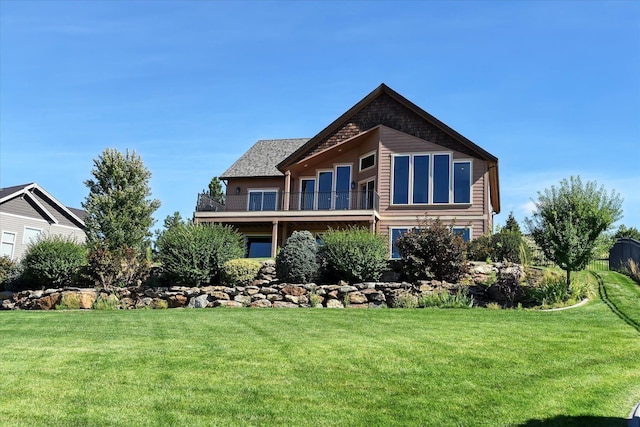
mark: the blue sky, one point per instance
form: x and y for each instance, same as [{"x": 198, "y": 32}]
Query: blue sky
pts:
[{"x": 550, "y": 88}]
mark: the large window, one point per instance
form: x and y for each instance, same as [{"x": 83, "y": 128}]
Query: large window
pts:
[
  {"x": 262, "y": 200},
  {"x": 307, "y": 191},
  {"x": 258, "y": 246},
  {"x": 343, "y": 185},
  {"x": 462, "y": 182},
  {"x": 394, "y": 235},
  {"x": 430, "y": 179},
  {"x": 464, "y": 232},
  {"x": 8, "y": 244},
  {"x": 30, "y": 235}
]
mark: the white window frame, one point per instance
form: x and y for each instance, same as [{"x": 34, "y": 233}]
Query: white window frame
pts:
[
  {"x": 261, "y": 190},
  {"x": 364, "y": 156},
  {"x": 453, "y": 186},
  {"x": 391, "y": 229},
  {"x": 3, "y": 241},
  {"x": 24, "y": 234},
  {"x": 468, "y": 227}
]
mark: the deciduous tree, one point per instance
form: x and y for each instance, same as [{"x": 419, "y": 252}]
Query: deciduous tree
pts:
[{"x": 569, "y": 218}]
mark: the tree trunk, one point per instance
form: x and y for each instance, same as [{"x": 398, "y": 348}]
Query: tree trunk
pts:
[{"x": 568, "y": 280}]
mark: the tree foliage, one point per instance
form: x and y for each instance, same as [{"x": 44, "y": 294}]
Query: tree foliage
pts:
[
  {"x": 569, "y": 219},
  {"x": 194, "y": 254},
  {"x": 630, "y": 232},
  {"x": 297, "y": 260},
  {"x": 215, "y": 189},
  {"x": 119, "y": 211},
  {"x": 512, "y": 224},
  {"x": 354, "y": 254},
  {"x": 432, "y": 251}
]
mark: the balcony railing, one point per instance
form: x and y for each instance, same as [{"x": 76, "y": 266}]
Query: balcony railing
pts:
[{"x": 266, "y": 200}]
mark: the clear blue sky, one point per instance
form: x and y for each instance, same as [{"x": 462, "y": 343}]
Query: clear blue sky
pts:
[{"x": 550, "y": 88}]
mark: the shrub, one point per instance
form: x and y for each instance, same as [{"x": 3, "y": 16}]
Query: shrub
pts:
[
  {"x": 123, "y": 267},
  {"x": 7, "y": 269},
  {"x": 432, "y": 252},
  {"x": 509, "y": 246},
  {"x": 444, "y": 299},
  {"x": 479, "y": 249},
  {"x": 106, "y": 302},
  {"x": 240, "y": 272},
  {"x": 406, "y": 300},
  {"x": 195, "y": 253},
  {"x": 354, "y": 254},
  {"x": 69, "y": 301},
  {"x": 297, "y": 260},
  {"x": 551, "y": 290},
  {"x": 632, "y": 269},
  {"x": 53, "y": 260}
]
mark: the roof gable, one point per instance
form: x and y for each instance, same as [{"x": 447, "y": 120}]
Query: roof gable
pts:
[
  {"x": 386, "y": 107},
  {"x": 43, "y": 203}
]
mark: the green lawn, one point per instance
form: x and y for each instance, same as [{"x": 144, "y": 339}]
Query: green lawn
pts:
[{"x": 295, "y": 367}]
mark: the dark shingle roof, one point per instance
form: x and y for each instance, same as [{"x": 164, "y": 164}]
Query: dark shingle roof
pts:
[
  {"x": 261, "y": 159},
  {"x": 4, "y": 192}
]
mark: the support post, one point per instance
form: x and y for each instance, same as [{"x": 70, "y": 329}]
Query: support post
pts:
[
  {"x": 287, "y": 190},
  {"x": 274, "y": 239}
]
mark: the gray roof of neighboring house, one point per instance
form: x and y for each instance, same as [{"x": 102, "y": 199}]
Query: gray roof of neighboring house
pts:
[
  {"x": 4, "y": 192},
  {"x": 261, "y": 159}
]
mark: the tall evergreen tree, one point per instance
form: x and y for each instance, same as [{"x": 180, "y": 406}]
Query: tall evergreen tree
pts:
[{"x": 118, "y": 209}]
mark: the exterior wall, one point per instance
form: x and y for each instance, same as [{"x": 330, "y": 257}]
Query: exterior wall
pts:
[
  {"x": 16, "y": 224},
  {"x": 475, "y": 215},
  {"x": 384, "y": 110},
  {"x": 240, "y": 200}
]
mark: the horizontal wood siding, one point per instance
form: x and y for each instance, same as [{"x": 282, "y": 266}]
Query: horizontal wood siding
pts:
[
  {"x": 395, "y": 142},
  {"x": 15, "y": 224}
]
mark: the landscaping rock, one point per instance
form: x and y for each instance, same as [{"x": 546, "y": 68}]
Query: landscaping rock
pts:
[
  {"x": 6, "y": 295},
  {"x": 86, "y": 299},
  {"x": 294, "y": 290},
  {"x": 357, "y": 298},
  {"x": 226, "y": 303},
  {"x": 334, "y": 303},
  {"x": 200, "y": 301},
  {"x": 176, "y": 301},
  {"x": 7, "y": 304},
  {"x": 284, "y": 304},
  {"x": 242, "y": 299},
  {"x": 262, "y": 303},
  {"x": 220, "y": 295}
]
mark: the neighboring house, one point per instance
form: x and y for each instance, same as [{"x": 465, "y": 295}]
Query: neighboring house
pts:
[
  {"x": 385, "y": 164},
  {"x": 28, "y": 210}
]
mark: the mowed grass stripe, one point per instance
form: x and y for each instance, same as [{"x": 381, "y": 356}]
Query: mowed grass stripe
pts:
[{"x": 317, "y": 367}]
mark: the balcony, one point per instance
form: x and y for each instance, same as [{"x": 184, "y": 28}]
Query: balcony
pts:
[{"x": 272, "y": 200}]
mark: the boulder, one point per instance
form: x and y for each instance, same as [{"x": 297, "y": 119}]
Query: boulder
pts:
[
  {"x": 284, "y": 304},
  {"x": 176, "y": 301},
  {"x": 220, "y": 295},
  {"x": 226, "y": 303},
  {"x": 261, "y": 303},
  {"x": 6, "y": 295},
  {"x": 86, "y": 299},
  {"x": 357, "y": 298},
  {"x": 292, "y": 298},
  {"x": 242, "y": 299},
  {"x": 7, "y": 304},
  {"x": 294, "y": 290},
  {"x": 200, "y": 301},
  {"x": 334, "y": 303}
]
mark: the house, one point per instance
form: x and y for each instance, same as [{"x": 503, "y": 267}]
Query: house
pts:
[
  {"x": 28, "y": 210},
  {"x": 384, "y": 164}
]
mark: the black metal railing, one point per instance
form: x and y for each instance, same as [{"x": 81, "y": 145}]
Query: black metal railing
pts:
[{"x": 272, "y": 200}]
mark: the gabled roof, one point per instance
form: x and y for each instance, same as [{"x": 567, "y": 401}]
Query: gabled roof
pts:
[
  {"x": 28, "y": 190},
  {"x": 411, "y": 109},
  {"x": 261, "y": 159}
]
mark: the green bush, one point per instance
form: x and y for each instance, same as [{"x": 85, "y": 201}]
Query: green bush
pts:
[
  {"x": 297, "y": 260},
  {"x": 354, "y": 254},
  {"x": 106, "y": 302},
  {"x": 444, "y": 299},
  {"x": 69, "y": 301},
  {"x": 405, "y": 299},
  {"x": 480, "y": 248},
  {"x": 8, "y": 270},
  {"x": 433, "y": 251},
  {"x": 107, "y": 268},
  {"x": 509, "y": 246},
  {"x": 194, "y": 254},
  {"x": 240, "y": 272},
  {"x": 551, "y": 290},
  {"x": 53, "y": 261}
]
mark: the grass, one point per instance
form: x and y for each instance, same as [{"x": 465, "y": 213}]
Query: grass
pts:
[
  {"x": 319, "y": 367},
  {"x": 623, "y": 296}
]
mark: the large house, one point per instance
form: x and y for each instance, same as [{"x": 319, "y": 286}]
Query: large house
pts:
[
  {"x": 28, "y": 210},
  {"x": 385, "y": 164}
]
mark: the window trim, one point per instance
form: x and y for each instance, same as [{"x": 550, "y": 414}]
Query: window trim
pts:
[
  {"x": 391, "y": 230},
  {"x": 453, "y": 184},
  {"x": 24, "y": 233},
  {"x": 262, "y": 190},
  {"x": 431, "y": 184},
  {"x": 364, "y": 156},
  {"x": 12, "y": 243},
  {"x": 464, "y": 228}
]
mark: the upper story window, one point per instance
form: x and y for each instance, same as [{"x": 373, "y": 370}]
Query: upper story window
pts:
[
  {"x": 262, "y": 200},
  {"x": 368, "y": 161},
  {"x": 430, "y": 179},
  {"x": 8, "y": 244},
  {"x": 30, "y": 235}
]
